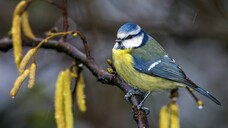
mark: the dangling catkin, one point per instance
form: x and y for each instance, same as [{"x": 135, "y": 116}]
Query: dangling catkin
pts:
[
  {"x": 59, "y": 103},
  {"x": 164, "y": 117},
  {"x": 16, "y": 36},
  {"x": 26, "y": 26},
  {"x": 174, "y": 115},
  {"x": 20, "y": 7},
  {"x": 32, "y": 75},
  {"x": 81, "y": 93},
  {"x": 26, "y": 59},
  {"x": 20, "y": 79},
  {"x": 68, "y": 99}
]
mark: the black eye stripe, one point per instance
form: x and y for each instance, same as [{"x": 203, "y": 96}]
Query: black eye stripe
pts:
[{"x": 129, "y": 37}]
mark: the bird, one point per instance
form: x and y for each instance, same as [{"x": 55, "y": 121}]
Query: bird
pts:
[{"x": 144, "y": 64}]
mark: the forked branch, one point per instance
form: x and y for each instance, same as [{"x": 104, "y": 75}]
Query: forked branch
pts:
[{"x": 102, "y": 75}]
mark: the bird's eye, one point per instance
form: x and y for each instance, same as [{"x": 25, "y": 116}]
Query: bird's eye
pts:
[{"x": 129, "y": 37}]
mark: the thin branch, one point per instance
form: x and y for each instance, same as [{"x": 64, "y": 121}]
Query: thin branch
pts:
[
  {"x": 63, "y": 8},
  {"x": 55, "y": 4},
  {"x": 85, "y": 44},
  {"x": 65, "y": 19},
  {"x": 102, "y": 75},
  {"x": 65, "y": 16}
]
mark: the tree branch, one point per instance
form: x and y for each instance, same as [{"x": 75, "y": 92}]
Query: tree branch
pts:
[
  {"x": 102, "y": 75},
  {"x": 63, "y": 8},
  {"x": 65, "y": 16}
]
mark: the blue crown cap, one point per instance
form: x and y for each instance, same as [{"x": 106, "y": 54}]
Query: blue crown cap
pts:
[{"x": 128, "y": 27}]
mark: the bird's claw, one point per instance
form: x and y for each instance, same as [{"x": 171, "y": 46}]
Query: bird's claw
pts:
[
  {"x": 147, "y": 110},
  {"x": 131, "y": 92},
  {"x": 140, "y": 106},
  {"x": 135, "y": 91}
]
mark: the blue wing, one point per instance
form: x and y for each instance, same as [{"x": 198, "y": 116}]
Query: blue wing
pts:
[
  {"x": 166, "y": 67},
  {"x": 163, "y": 67}
]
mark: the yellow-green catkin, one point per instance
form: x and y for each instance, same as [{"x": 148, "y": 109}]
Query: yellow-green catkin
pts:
[
  {"x": 164, "y": 117},
  {"x": 26, "y": 59},
  {"x": 26, "y": 26},
  {"x": 20, "y": 79},
  {"x": 20, "y": 7},
  {"x": 174, "y": 116},
  {"x": 59, "y": 102},
  {"x": 81, "y": 94},
  {"x": 32, "y": 75},
  {"x": 16, "y": 36},
  {"x": 68, "y": 99},
  {"x": 16, "y": 31},
  {"x": 169, "y": 116}
]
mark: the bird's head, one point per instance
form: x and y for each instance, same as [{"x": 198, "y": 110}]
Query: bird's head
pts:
[{"x": 129, "y": 36}]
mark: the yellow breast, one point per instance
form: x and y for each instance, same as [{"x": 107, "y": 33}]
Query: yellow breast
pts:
[{"x": 124, "y": 65}]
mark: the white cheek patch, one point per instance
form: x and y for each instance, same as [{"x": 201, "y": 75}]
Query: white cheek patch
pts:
[
  {"x": 133, "y": 42},
  {"x": 122, "y": 35},
  {"x": 115, "y": 46}
]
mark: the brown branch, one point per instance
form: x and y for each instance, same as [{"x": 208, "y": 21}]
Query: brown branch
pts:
[
  {"x": 85, "y": 44},
  {"x": 63, "y": 8},
  {"x": 102, "y": 75},
  {"x": 65, "y": 17},
  {"x": 55, "y": 4}
]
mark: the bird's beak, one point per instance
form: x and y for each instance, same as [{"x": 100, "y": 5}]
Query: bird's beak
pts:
[
  {"x": 118, "y": 44},
  {"x": 118, "y": 41}
]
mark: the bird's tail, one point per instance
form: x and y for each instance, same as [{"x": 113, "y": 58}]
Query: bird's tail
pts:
[{"x": 192, "y": 85}]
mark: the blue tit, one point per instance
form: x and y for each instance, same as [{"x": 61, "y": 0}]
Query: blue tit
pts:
[{"x": 142, "y": 62}]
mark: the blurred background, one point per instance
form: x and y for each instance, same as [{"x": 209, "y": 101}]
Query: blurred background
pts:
[{"x": 194, "y": 33}]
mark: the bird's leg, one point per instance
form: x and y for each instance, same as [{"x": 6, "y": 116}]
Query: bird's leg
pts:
[
  {"x": 142, "y": 102},
  {"x": 198, "y": 101},
  {"x": 133, "y": 91}
]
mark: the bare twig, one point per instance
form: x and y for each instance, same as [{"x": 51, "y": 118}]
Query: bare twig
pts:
[
  {"x": 65, "y": 17},
  {"x": 63, "y": 8},
  {"x": 102, "y": 75},
  {"x": 86, "y": 46},
  {"x": 56, "y": 4}
]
